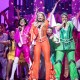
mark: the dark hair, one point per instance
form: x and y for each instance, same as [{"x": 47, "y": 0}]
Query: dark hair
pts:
[
  {"x": 24, "y": 20},
  {"x": 11, "y": 29},
  {"x": 50, "y": 28}
]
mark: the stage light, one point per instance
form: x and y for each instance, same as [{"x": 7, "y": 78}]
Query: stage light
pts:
[
  {"x": 11, "y": 3},
  {"x": 75, "y": 3},
  {"x": 27, "y": 8},
  {"x": 41, "y": 2},
  {"x": 34, "y": 0},
  {"x": 73, "y": 0},
  {"x": 62, "y": 8},
  {"x": 31, "y": 3},
  {"x": 43, "y": 7}
]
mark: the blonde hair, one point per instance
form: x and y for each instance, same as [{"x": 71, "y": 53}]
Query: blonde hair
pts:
[{"x": 43, "y": 16}]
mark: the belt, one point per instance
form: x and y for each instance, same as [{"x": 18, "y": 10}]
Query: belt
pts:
[
  {"x": 66, "y": 40},
  {"x": 42, "y": 39}
]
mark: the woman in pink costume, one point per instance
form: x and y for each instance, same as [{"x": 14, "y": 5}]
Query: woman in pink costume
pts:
[{"x": 22, "y": 44}]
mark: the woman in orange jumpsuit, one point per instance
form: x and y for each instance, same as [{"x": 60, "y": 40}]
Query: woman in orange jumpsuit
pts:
[{"x": 38, "y": 36}]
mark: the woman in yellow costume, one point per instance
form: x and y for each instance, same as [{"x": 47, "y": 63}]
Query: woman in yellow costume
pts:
[{"x": 11, "y": 53}]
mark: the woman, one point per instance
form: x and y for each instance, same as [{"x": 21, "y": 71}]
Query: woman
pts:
[
  {"x": 11, "y": 53},
  {"x": 22, "y": 41},
  {"x": 39, "y": 37}
]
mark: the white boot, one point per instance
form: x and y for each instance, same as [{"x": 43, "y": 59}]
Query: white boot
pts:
[
  {"x": 29, "y": 64},
  {"x": 76, "y": 79},
  {"x": 15, "y": 64},
  {"x": 78, "y": 63}
]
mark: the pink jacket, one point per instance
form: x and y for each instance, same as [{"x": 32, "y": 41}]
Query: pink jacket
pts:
[{"x": 24, "y": 36}]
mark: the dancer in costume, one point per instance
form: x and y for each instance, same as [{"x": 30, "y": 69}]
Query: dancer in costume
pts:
[
  {"x": 52, "y": 44},
  {"x": 11, "y": 53},
  {"x": 38, "y": 35},
  {"x": 67, "y": 46},
  {"x": 51, "y": 31},
  {"x": 76, "y": 22},
  {"x": 22, "y": 41},
  {"x": 3, "y": 44}
]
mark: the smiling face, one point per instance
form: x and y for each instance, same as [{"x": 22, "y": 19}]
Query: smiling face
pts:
[
  {"x": 49, "y": 31},
  {"x": 40, "y": 17},
  {"x": 64, "y": 18},
  {"x": 22, "y": 22},
  {"x": 12, "y": 34}
]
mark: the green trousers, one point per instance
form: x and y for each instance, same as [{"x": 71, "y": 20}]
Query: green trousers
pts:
[
  {"x": 52, "y": 58},
  {"x": 72, "y": 65}
]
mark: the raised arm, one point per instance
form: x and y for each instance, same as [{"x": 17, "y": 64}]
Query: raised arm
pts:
[
  {"x": 51, "y": 18},
  {"x": 75, "y": 20},
  {"x": 78, "y": 15},
  {"x": 18, "y": 13},
  {"x": 55, "y": 7}
]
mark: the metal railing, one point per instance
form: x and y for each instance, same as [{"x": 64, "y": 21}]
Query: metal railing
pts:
[{"x": 1, "y": 14}]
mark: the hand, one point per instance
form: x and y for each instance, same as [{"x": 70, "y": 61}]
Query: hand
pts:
[
  {"x": 58, "y": 1},
  {"x": 4, "y": 55},
  {"x": 64, "y": 22},
  {"x": 17, "y": 10},
  {"x": 4, "y": 42},
  {"x": 66, "y": 73},
  {"x": 51, "y": 37},
  {"x": 20, "y": 28},
  {"x": 36, "y": 10},
  {"x": 55, "y": 7}
]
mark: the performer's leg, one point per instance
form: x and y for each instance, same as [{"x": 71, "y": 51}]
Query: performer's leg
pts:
[
  {"x": 35, "y": 66},
  {"x": 26, "y": 52},
  {"x": 52, "y": 58},
  {"x": 78, "y": 66},
  {"x": 72, "y": 65},
  {"x": 66, "y": 67},
  {"x": 9, "y": 64},
  {"x": 15, "y": 63},
  {"x": 4, "y": 65},
  {"x": 46, "y": 50},
  {"x": 58, "y": 63}
]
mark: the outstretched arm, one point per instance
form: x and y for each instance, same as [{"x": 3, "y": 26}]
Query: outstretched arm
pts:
[
  {"x": 78, "y": 15},
  {"x": 51, "y": 18},
  {"x": 55, "y": 7},
  {"x": 18, "y": 13},
  {"x": 36, "y": 10},
  {"x": 75, "y": 20}
]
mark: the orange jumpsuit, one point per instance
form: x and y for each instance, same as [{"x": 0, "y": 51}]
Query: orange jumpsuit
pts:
[{"x": 42, "y": 44}]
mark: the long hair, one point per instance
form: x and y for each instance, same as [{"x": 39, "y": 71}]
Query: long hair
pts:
[
  {"x": 43, "y": 16},
  {"x": 24, "y": 20}
]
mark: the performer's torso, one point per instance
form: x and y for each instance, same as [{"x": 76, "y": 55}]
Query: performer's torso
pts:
[
  {"x": 66, "y": 38},
  {"x": 21, "y": 36},
  {"x": 41, "y": 31}
]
